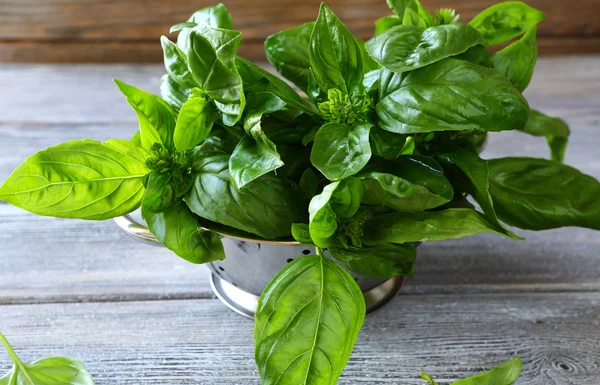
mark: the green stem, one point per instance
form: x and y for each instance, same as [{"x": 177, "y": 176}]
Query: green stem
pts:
[
  {"x": 18, "y": 363},
  {"x": 320, "y": 252}
]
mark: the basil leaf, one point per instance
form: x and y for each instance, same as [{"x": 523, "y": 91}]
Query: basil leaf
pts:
[
  {"x": 307, "y": 321},
  {"x": 257, "y": 79},
  {"x": 79, "y": 179},
  {"x": 340, "y": 150},
  {"x": 194, "y": 122},
  {"x": 477, "y": 54},
  {"x": 369, "y": 64},
  {"x": 415, "y": 14},
  {"x": 176, "y": 63},
  {"x": 380, "y": 261},
  {"x": 211, "y": 57},
  {"x": 47, "y": 371},
  {"x": 405, "y": 47},
  {"x": 160, "y": 194},
  {"x": 505, "y": 374},
  {"x": 301, "y": 233},
  {"x": 156, "y": 117},
  {"x": 453, "y": 95},
  {"x": 425, "y": 227},
  {"x": 335, "y": 56},
  {"x": 308, "y": 183},
  {"x": 415, "y": 183},
  {"x": 267, "y": 208},
  {"x": 178, "y": 229},
  {"x": 135, "y": 140},
  {"x": 516, "y": 61},
  {"x": 389, "y": 82},
  {"x": 555, "y": 130},
  {"x": 385, "y": 144},
  {"x": 173, "y": 93},
  {"x": 287, "y": 51},
  {"x": 475, "y": 181},
  {"x": 505, "y": 21},
  {"x": 385, "y": 23},
  {"x": 255, "y": 155},
  {"x": 216, "y": 16},
  {"x": 346, "y": 198},
  {"x": 538, "y": 194}
]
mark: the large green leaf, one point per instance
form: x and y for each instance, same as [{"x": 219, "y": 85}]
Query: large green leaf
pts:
[
  {"x": 539, "y": 194},
  {"x": 517, "y": 61},
  {"x": 380, "y": 261},
  {"x": 156, "y": 117},
  {"x": 453, "y": 94},
  {"x": 335, "y": 56},
  {"x": 194, "y": 122},
  {"x": 79, "y": 179},
  {"x": 267, "y": 207},
  {"x": 211, "y": 57},
  {"x": 555, "y": 130},
  {"x": 216, "y": 16},
  {"x": 405, "y": 48},
  {"x": 505, "y": 21},
  {"x": 341, "y": 150},
  {"x": 178, "y": 229},
  {"x": 287, "y": 51},
  {"x": 307, "y": 321},
  {"x": 410, "y": 183},
  {"x": 425, "y": 227}
]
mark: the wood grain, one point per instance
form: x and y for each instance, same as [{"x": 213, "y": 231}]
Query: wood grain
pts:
[
  {"x": 128, "y": 30},
  {"x": 202, "y": 342}
]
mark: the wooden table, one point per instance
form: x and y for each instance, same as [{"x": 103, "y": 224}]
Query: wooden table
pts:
[{"x": 137, "y": 314}]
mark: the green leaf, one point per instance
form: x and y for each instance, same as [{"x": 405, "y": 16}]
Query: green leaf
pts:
[
  {"x": 539, "y": 194},
  {"x": 287, "y": 51},
  {"x": 216, "y": 16},
  {"x": 308, "y": 183},
  {"x": 178, "y": 229},
  {"x": 194, "y": 122},
  {"x": 415, "y": 14},
  {"x": 379, "y": 261},
  {"x": 267, "y": 207},
  {"x": 301, "y": 233},
  {"x": 160, "y": 194},
  {"x": 211, "y": 57},
  {"x": 517, "y": 61},
  {"x": 425, "y": 227},
  {"x": 505, "y": 374},
  {"x": 555, "y": 130},
  {"x": 176, "y": 64},
  {"x": 156, "y": 117},
  {"x": 389, "y": 82},
  {"x": 405, "y": 47},
  {"x": 335, "y": 56},
  {"x": 307, "y": 321},
  {"x": 473, "y": 178},
  {"x": 477, "y": 54},
  {"x": 505, "y": 21},
  {"x": 341, "y": 150},
  {"x": 385, "y": 144},
  {"x": 369, "y": 64},
  {"x": 255, "y": 155},
  {"x": 173, "y": 93},
  {"x": 47, "y": 371},
  {"x": 385, "y": 23},
  {"x": 426, "y": 377},
  {"x": 257, "y": 79},
  {"x": 79, "y": 179},
  {"x": 346, "y": 198},
  {"x": 453, "y": 95},
  {"x": 413, "y": 183}
]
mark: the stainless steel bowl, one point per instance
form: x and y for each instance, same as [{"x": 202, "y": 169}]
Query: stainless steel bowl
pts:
[{"x": 250, "y": 264}]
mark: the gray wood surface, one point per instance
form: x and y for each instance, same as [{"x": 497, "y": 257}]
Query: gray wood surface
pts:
[{"x": 139, "y": 315}]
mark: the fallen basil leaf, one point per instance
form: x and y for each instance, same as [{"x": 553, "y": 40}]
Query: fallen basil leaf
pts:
[
  {"x": 83, "y": 179},
  {"x": 539, "y": 194},
  {"x": 505, "y": 374},
  {"x": 307, "y": 321}
]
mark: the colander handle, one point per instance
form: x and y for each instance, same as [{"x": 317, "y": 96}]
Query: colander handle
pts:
[{"x": 136, "y": 230}]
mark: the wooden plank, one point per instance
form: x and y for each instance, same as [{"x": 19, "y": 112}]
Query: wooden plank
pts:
[
  {"x": 107, "y": 20},
  {"x": 202, "y": 342}
]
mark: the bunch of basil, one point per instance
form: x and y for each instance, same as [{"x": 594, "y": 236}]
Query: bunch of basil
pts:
[{"x": 381, "y": 154}]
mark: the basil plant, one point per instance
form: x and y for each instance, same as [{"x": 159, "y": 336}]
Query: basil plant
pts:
[{"x": 375, "y": 149}]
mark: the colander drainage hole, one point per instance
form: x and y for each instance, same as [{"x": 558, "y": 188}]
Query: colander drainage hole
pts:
[
  {"x": 290, "y": 260},
  {"x": 220, "y": 268},
  {"x": 306, "y": 252}
]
